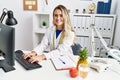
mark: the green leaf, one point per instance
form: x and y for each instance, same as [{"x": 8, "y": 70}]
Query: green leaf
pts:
[{"x": 83, "y": 53}]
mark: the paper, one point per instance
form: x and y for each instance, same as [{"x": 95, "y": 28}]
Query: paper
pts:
[{"x": 63, "y": 62}]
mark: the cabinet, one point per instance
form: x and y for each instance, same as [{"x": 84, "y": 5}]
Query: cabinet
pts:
[{"x": 104, "y": 23}]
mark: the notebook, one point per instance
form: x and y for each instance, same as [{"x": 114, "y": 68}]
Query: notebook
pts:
[{"x": 63, "y": 62}]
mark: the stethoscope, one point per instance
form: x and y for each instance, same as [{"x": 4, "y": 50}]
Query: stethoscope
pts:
[{"x": 53, "y": 41}]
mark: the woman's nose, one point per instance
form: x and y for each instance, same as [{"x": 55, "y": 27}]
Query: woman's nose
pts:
[{"x": 58, "y": 17}]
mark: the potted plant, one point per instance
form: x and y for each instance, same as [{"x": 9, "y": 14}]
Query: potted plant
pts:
[{"x": 44, "y": 24}]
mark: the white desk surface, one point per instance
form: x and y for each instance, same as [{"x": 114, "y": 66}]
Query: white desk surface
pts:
[{"x": 48, "y": 72}]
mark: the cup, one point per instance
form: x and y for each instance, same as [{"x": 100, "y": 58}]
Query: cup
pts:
[{"x": 83, "y": 71}]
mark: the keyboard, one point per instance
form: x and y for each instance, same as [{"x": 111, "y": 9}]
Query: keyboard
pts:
[{"x": 25, "y": 63}]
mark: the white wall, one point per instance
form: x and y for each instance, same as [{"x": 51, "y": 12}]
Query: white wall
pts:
[
  {"x": 24, "y": 26},
  {"x": 23, "y": 36},
  {"x": 117, "y": 32},
  {"x": 79, "y": 4}
]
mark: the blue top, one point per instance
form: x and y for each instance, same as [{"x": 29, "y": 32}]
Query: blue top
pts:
[{"x": 58, "y": 32}]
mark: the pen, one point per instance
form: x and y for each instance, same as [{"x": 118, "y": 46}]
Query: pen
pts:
[{"x": 61, "y": 60}]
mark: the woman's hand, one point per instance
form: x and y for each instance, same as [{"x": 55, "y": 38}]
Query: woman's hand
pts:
[
  {"x": 37, "y": 58},
  {"x": 29, "y": 55}
]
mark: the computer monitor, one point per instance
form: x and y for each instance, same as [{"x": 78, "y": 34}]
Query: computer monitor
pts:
[{"x": 7, "y": 46}]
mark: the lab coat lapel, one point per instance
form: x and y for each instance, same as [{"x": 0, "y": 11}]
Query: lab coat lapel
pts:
[{"x": 56, "y": 40}]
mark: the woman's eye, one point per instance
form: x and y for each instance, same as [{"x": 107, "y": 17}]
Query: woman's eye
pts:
[{"x": 55, "y": 15}]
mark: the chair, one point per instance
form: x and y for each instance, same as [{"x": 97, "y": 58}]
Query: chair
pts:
[{"x": 76, "y": 48}]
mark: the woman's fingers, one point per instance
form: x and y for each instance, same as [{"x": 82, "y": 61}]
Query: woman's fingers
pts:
[
  {"x": 32, "y": 60},
  {"x": 25, "y": 56},
  {"x": 36, "y": 59},
  {"x": 28, "y": 55},
  {"x": 32, "y": 57}
]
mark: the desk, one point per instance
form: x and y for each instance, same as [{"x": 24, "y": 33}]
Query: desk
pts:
[{"x": 48, "y": 72}]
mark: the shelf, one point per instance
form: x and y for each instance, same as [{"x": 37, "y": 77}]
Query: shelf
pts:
[
  {"x": 104, "y": 23},
  {"x": 40, "y": 31}
]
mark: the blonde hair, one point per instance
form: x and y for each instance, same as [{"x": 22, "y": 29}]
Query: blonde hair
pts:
[{"x": 67, "y": 22}]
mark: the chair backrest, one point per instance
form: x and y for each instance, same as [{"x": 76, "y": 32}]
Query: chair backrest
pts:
[{"x": 76, "y": 48}]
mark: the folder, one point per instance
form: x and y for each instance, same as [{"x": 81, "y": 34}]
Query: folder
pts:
[
  {"x": 110, "y": 25},
  {"x": 100, "y": 7},
  {"x": 75, "y": 22},
  {"x": 87, "y": 26},
  {"x": 63, "y": 62},
  {"x": 105, "y": 25}
]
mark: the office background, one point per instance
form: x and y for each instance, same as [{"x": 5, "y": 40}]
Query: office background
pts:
[{"x": 24, "y": 27}]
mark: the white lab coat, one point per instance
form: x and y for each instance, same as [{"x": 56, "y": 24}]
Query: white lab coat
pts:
[{"x": 57, "y": 49}]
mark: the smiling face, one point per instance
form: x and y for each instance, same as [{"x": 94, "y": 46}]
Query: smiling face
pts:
[{"x": 58, "y": 19}]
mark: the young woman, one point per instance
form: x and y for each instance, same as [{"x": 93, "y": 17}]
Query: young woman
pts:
[{"x": 59, "y": 37}]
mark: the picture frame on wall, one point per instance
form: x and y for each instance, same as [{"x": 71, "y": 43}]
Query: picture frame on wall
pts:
[{"x": 30, "y": 5}]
